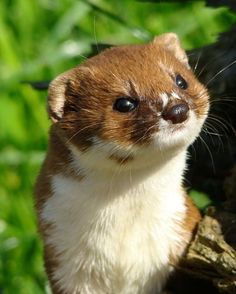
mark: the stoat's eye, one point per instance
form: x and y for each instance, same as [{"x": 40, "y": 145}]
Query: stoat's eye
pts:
[
  {"x": 125, "y": 104},
  {"x": 180, "y": 82}
]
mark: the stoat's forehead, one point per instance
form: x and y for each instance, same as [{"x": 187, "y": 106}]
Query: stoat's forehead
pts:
[{"x": 120, "y": 96}]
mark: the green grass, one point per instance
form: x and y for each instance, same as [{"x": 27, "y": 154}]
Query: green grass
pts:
[{"x": 38, "y": 40}]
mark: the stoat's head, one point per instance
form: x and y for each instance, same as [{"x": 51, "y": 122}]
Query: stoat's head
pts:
[{"x": 129, "y": 101}]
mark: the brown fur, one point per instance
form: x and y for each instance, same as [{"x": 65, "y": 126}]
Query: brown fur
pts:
[
  {"x": 57, "y": 160},
  {"x": 189, "y": 225},
  {"x": 193, "y": 216}
]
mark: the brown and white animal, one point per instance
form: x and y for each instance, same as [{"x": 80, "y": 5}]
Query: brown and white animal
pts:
[{"x": 112, "y": 209}]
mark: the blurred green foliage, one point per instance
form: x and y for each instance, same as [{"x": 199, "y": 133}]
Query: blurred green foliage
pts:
[{"x": 38, "y": 40}]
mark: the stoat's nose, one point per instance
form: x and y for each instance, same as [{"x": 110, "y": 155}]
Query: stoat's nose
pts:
[{"x": 177, "y": 113}]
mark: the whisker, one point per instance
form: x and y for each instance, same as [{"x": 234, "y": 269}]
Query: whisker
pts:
[
  {"x": 210, "y": 62},
  {"x": 196, "y": 65},
  {"x": 209, "y": 151},
  {"x": 225, "y": 125},
  {"x": 211, "y": 127},
  {"x": 211, "y": 134},
  {"x": 79, "y": 131},
  {"x": 223, "y": 99},
  {"x": 220, "y": 126},
  {"x": 219, "y": 72}
]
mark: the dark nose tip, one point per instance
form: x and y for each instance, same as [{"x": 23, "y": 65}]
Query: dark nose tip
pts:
[{"x": 177, "y": 113}]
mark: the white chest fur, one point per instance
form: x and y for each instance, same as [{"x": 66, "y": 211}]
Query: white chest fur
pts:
[{"x": 116, "y": 235}]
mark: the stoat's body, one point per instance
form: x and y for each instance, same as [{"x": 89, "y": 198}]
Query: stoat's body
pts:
[{"x": 112, "y": 210}]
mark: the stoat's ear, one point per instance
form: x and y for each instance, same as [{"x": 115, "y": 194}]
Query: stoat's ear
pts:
[
  {"x": 170, "y": 41},
  {"x": 57, "y": 94}
]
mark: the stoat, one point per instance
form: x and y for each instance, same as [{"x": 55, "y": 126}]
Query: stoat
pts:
[{"x": 112, "y": 209}]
